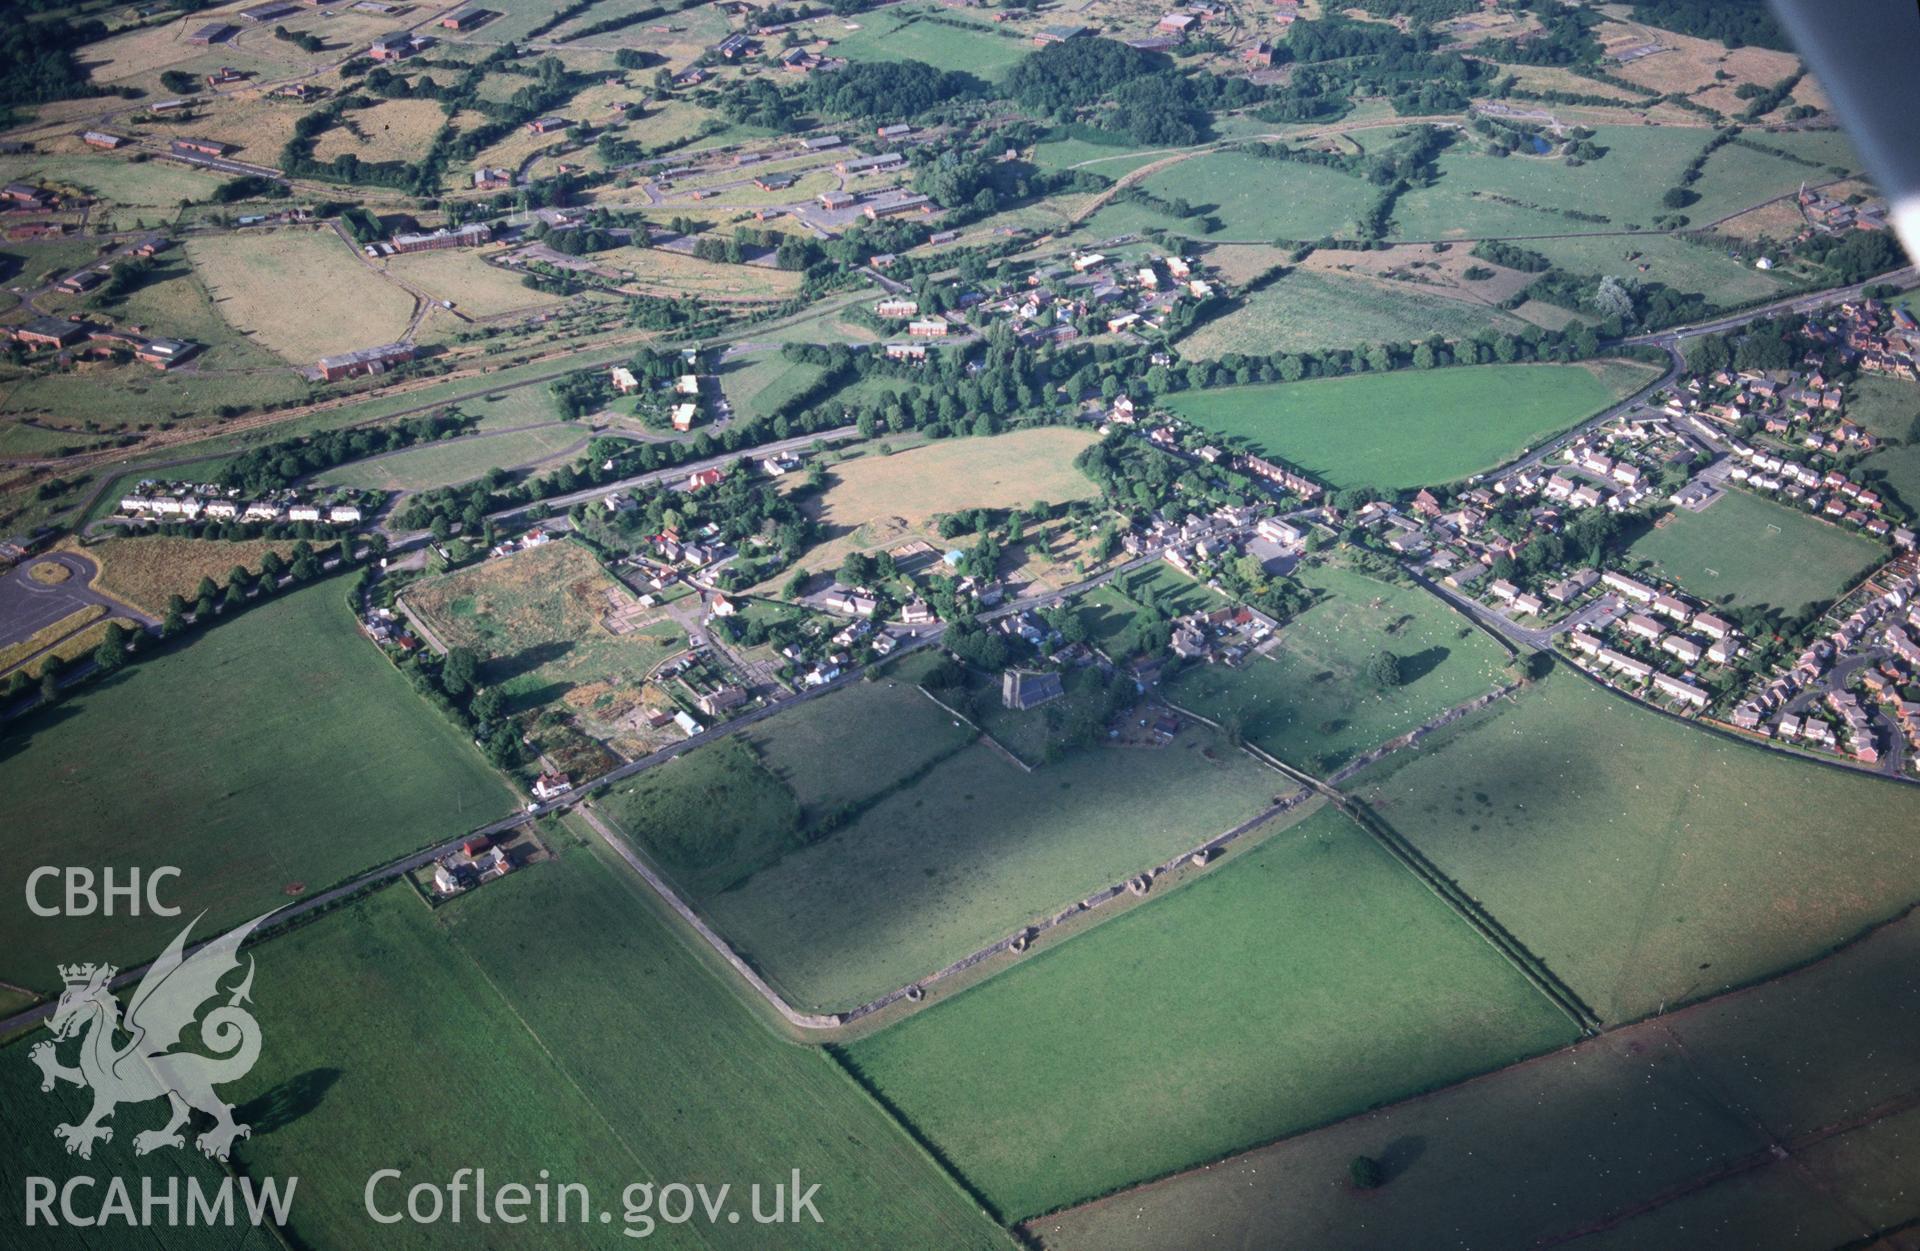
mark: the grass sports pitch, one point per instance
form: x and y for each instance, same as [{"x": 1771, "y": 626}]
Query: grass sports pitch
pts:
[{"x": 1747, "y": 550}]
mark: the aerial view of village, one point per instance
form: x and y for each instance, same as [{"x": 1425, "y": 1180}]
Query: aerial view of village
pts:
[{"x": 1082, "y": 625}]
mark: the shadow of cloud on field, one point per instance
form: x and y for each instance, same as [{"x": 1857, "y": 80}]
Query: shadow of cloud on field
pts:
[{"x": 287, "y": 1102}]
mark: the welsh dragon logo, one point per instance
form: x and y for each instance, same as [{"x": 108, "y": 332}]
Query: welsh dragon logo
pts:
[{"x": 146, "y": 1066}]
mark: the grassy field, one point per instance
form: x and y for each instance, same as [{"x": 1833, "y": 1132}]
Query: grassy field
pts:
[
  {"x": 456, "y": 460},
  {"x": 475, "y": 287},
  {"x": 146, "y": 570},
  {"x": 315, "y": 759},
  {"x": 972, "y": 851},
  {"x": 1309, "y": 700},
  {"x": 1307, "y": 980},
  {"x": 1308, "y": 311},
  {"x": 1889, "y": 408},
  {"x": 536, "y": 617},
  {"x": 1645, "y": 861},
  {"x": 712, "y": 818},
  {"x": 126, "y": 194},
  {"x": 1254, "y": 198},
  {"x": 1478, "y": 195},
  {"x": 877, "y": 500},
  {"x": 1747, "y": 550},
  {"x": 757, "y": 386},
  {"x": 1673, "y": 1121},
  {"x": 657, "y": 271},
  {"x": 864, "y": 740},
  {"x": 342, "y": 305},
  {"x": 1110, "y": 608},
  {"x": 906, "y": 34},
  {"x": 392, "y": 130},
  {"x": 611, "y": 1056},
  {"x": 1402, "y": 429},
  {"x": 1681, "y": 265}
]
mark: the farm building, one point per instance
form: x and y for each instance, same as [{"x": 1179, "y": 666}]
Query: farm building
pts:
[
  {"x": 270, "y": 11},
  {"x": 213, "y": 32},
  {"x": 871, "y": 164},
  {"x": 200, "y": 147},
  {"x": 102, "y": 139},
  {"x": 465, "y": 19},
  {"x": 914, "y": 203},
  {"x": 391, "y": 47},
  {"x": 50, "y": 332},
  {"x": 371, "y": 360},
  {"x": 471, "y": 235}
]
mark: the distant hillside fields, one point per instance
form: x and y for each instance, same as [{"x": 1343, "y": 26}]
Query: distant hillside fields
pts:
[{"x": 1410, "y": 427}]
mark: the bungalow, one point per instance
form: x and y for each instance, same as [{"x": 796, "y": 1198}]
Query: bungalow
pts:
[
  {"x": 102, "y": 139},
  {"x": 343, "y": 514},
  {"x": 687, "y": 384},
  {"x": 704, "y": 478},
  {"x": 200, "y": 147},
  {"x": 684, "y": 415},
  {"x": 1639, "y": 669},
  {"x": 623, "y": 380},
  {"x": 304, "y": 512}
]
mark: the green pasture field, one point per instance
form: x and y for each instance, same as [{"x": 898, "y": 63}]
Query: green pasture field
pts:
[
  {"x": 1659, "y": 1109},
  {"x": 1310, "y": 702},
  {"x": 973, "y": 850},
  {"x": 30, "y": 1150},
  {"x": 1122, "y": 156},
  {"x": 1625, "y": 186},
  {"x": 1737, "y": 178},
  {"x": 612, "y": 1054},
  {"x": 1646, "y": 861},
  {"x": 1747, "y": 550},
  {"x": 126, "y": 193},
  {"x": 314, "y": 760},
  {"x": 452, "y": 461},
  {"x": 757, "y": 386},
  {"x": 1307, "y": 980},
  {"x": 475, "y": 287},
  {"x": 1888, "y": 408},
  {"x": 1679, "y": 264},
  {"x": 1402, "y": 429},
  {"x": 535, "y": 617},
  {"x": 350, "y": 306},
  {"x": 1256, "y": 200},
  {"x": 1898, "y": 469},
  {"x": 856, "y": 743},
  {"x": 906, "y": 34},
  {"x": 711, "y": 818},
  {"x": 1306, "y": 311}
]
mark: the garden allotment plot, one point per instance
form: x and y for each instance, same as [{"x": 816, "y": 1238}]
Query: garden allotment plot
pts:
[
  {"x": 1646, "y": 861},
  {"x": 1400, "y": 430},
  {"x": 1305, "y": 980}
]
